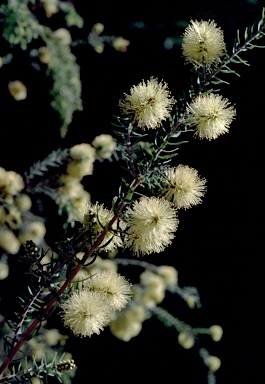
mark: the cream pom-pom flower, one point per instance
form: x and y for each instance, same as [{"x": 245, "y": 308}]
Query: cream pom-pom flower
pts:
[
  {"x": 85, "y": 313},
  {"x": 113, "y": 287},
  {"x": 210, "y": 115},
  {"x": 148, "y": 104},
  {"x": 152, "y": 222},
  {"x": 184, "y": 187},
  {"x": 203, "y": 43}
]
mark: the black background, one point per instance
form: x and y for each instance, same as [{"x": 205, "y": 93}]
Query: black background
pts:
[{"x": 219, "y": 246}]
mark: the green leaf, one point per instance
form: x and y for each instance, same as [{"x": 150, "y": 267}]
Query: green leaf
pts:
[{"x": 166, "y": 157}]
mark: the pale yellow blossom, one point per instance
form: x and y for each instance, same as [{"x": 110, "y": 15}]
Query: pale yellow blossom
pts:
[
  {"x": 148, "y": 104},
  {"x": 184, "y": 186},
  {"x": 210, "y": 115},
  {"x": 114, "y": 288},
  {"x": 152, "y": 222},
  {"x": 203, "y": 43},
  {"x": 85, "y": 313}
]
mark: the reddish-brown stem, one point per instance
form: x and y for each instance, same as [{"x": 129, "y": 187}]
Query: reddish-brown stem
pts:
[{"x": 53, "y": 300}]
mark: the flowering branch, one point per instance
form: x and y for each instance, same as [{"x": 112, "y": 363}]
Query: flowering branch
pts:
[{"x": 145, "y": 225}]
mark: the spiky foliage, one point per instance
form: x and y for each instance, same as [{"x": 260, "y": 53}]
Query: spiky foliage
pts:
[
  {"x": 20, "y": 25},
  {"x": 54, "y": 160},
  {"x": 30, "y": 367},
  {"x": 243, "y": 42},
  {"x": 66, "y": 90},
  {"x": 72, "y": 18}
]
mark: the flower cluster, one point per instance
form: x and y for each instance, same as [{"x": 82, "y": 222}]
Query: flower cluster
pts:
[
  {"x": 87, "y": 310},
  {"x": 84, "y": 278},
  {"x": 17, "y": 222}
]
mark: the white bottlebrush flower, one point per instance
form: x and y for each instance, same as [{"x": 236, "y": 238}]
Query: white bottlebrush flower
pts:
[
  {"x": 210, "y": 115},
  {"x": 203, "y": 43},
  {"x": 116, "y": 290},
  {"x": 152, "y": 222},
  {"x": 85, "y": 313},
  {"x": 96, "y": 218},
  {"x": 184, "y": 187},
  {"x": 148, "y": 104}
]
